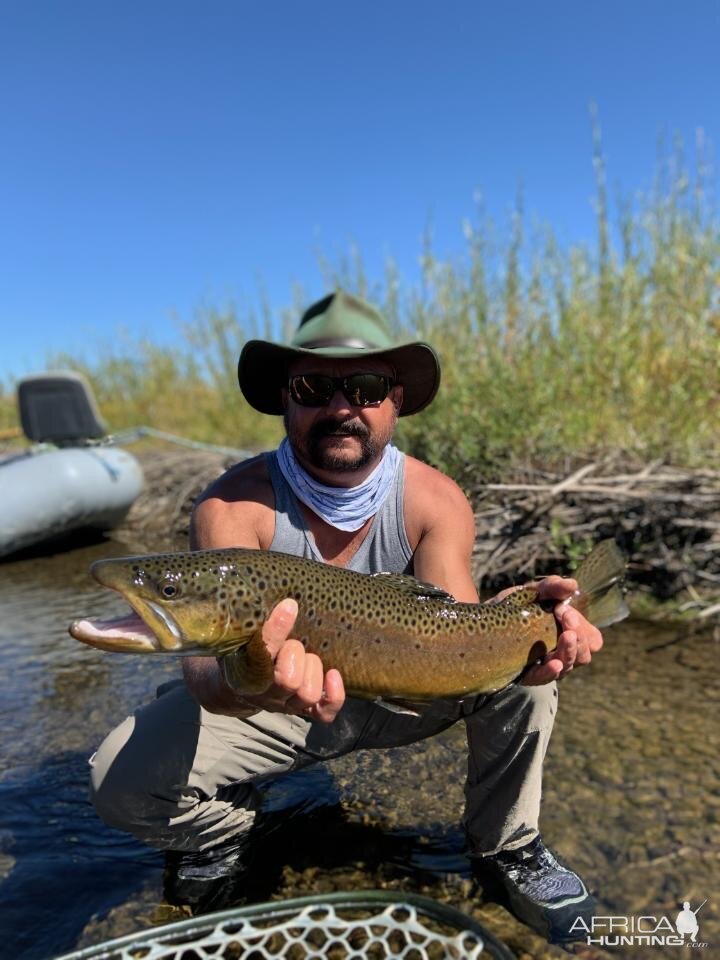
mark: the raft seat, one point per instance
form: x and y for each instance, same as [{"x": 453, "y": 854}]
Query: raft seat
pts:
[{"x": 59, "y": 407}]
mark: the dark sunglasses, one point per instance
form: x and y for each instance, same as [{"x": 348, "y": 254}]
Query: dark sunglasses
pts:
[{"x": 359, "y": 389}]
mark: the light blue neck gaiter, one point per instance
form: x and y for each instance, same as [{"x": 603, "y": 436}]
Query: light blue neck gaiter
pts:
[{"x": 346, "y": 508}]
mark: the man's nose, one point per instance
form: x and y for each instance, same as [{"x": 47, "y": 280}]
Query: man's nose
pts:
[{"x": 339, "y": 403}]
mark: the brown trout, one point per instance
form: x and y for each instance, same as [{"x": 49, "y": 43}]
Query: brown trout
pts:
[{"x": 390, "y": 635}]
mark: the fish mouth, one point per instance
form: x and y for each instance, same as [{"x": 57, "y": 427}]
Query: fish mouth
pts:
[
  {"x": 122, "y": 634},
  {"x": 148, "y": 629}
]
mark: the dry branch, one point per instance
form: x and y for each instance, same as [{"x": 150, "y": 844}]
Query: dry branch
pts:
[{"x": 666, "y": 518}]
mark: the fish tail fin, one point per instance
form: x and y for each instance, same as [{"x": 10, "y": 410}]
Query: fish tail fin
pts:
[{"x": 599, "y": 578}]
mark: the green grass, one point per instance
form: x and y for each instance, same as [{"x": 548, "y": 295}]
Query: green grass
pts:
[{"x": 546, "y": 353}]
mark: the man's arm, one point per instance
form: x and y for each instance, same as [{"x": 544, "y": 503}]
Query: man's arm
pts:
[
  {"x": 440, "y": 515},
  {"x": 443, "y": 557}
]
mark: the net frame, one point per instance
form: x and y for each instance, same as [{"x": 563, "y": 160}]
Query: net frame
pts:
[{"x": 364, "y": 925}]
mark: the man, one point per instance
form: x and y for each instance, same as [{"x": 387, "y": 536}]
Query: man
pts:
[{"x": 180, "y": 774}]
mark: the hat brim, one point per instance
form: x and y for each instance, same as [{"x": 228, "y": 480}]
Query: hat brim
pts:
[{"x": 263, "y": 371}]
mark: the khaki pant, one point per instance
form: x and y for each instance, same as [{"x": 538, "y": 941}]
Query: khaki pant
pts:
[{"x": 180, "y": 778}]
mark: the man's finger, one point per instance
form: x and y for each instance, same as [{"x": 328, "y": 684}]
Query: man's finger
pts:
[
  {"x": 278, "y": 626},
  {"x": 567, "y": 649},
  {"x": 589, "y": 636},
  {"x": 309, "y": 692},
  {"x": 290, "y": 667},
  {"x": 542, "y": 673},
  {"x": 556, "y": 588},
  {"x": 332, "y": 699}
]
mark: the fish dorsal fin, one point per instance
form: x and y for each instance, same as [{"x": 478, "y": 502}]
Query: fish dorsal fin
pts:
[{"x": 414, "y": 587}]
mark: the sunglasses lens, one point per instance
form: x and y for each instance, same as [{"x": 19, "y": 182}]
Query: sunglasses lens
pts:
[
  {"x": 363, "y": 389},
  {"x": 312, "y": 389},
  {"x": 360, "y": 389}
]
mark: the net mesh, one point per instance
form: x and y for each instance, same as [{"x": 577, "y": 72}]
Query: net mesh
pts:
[{"x": 370, "y": 927}]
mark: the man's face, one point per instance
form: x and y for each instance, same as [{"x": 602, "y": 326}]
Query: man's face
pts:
[{"x": 340, "y": 437}]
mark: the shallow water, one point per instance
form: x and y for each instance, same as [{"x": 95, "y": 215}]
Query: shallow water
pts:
[{"x": 631, "y": 795}]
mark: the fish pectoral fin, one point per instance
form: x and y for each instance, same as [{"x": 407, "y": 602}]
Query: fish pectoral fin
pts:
[
  {"x": 417, "y": 588},
  {"x": 398, "y": 706},
  {"x": 249, "y": 669}
]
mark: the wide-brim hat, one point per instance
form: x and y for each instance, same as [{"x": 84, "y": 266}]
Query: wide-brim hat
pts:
[{"x": 340, "y": 326}]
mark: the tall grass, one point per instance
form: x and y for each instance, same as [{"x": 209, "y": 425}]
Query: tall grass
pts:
[
  {"x": 578, "y": 354},
  {"x": 546, "y": 352}
]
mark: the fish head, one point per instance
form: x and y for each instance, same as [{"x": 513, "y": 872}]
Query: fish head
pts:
[{"x": 183, "y": 603}]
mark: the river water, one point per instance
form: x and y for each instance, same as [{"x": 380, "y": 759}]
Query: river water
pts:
[{"x": 631, "y": 794}]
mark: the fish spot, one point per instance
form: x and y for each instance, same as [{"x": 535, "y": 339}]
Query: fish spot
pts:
[{"x": 461, "y": 655}]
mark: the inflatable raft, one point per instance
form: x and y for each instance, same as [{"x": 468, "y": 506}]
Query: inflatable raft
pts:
[{"x": 70, "y": 480}]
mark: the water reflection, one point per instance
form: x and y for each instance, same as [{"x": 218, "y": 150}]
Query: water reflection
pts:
[
  {"x": 65, "y": 866},
  {"x": 56, "y": 691}
]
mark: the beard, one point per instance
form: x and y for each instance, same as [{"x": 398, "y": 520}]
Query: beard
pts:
[{"x": 337, "y": 459}]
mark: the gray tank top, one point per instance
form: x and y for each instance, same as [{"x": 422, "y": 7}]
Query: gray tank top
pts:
[{"x": 385, "y": 546}]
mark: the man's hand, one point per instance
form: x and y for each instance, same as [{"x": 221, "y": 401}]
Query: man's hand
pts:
[
  {"x": 299, "y": 684},
  {"x": 577, "y": 640},
  {"x": 298, "y": 687}
]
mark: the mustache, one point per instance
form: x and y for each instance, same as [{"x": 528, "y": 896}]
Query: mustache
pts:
[{"x": 343, "y": 428}]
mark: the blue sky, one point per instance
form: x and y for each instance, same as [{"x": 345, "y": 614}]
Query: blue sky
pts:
[{"x": 162, "y": 155}]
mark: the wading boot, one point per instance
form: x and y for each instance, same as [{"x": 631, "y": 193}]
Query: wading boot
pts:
[
  {"x": 205, "y": 880},
  {"x": 537, "y": 889}
]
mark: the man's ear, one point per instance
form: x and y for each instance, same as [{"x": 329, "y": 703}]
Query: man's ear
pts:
[{"x": 396, "y": 396}]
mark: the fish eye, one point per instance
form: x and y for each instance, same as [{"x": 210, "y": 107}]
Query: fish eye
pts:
[{"x": 169, "y": 589}]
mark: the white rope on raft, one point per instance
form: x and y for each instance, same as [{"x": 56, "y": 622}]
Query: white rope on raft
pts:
[{"x": 137, "y": 433}]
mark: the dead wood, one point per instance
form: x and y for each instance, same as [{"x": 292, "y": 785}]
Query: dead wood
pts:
[{"x": 666, "y": 518}]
